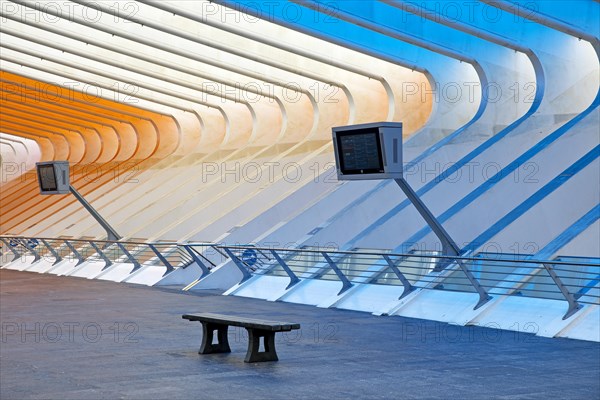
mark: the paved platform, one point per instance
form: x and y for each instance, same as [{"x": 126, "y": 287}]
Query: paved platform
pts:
[{"x": 73, "y": 338}]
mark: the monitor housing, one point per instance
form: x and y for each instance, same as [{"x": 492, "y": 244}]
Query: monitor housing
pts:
[
  {"x": 53, "y": 177},
  {"x": 368, "y": 151}
]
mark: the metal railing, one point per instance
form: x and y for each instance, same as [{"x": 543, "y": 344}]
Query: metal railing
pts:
[
  {"x": 170, "y": 255},
  {"x": 574, "y": 281}
]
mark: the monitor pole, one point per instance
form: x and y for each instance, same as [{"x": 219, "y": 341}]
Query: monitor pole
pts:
[
  {"x": 449, "y": 247},
  {"x": 112, "y": 235}
]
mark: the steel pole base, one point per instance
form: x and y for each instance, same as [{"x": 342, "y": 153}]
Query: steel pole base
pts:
[
  {"x": 573, "y": 308},
  {"x": 483, "y": 299}
]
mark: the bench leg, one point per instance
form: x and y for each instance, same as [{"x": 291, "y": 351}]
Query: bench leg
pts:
[
  {"x": 222, "y": 345},
  {"x": 253, "y": 354}
]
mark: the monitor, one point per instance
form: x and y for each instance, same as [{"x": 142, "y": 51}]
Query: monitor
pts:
[
  {"x": 53, "y": 177},
  {"x": 47, "y": 178},
  {"x": 368, "y": 151},
  {"x": 360, "y": 151}
]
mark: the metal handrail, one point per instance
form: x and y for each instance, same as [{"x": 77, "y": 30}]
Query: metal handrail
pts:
[
  {"x": 136, "y": 252},
  {"x": 466, "y": 258},
  {"x": 468, "y": 272},
  {"x": 411, "y": 271}
]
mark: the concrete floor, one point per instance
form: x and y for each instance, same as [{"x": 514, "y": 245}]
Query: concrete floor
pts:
[{"x": 72, "y": 338}]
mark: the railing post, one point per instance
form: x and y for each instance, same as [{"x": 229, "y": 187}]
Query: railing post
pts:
[
  {"x": 136, "y": 264},
  {"x": 55, "y": 254},
  {"x": 484, "y": 297},
  {"x": 162, "y": 259},
  {"x": 17, "y": 255},
  {"x": 192, "y": 253},
  {"x": 101, "y": 254},
  {"x": 293, "y": 277},
  {"x": 245, "y": 273},
  {"x": 408, "y": 287},
  {"x": 346, "y": 284},
  {"x": 75, "y": 252},
  {"x": 574, "y": 306}
]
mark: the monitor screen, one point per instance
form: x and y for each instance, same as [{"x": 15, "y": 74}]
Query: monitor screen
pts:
[
  {"x": 360, "y": 151},
  {"x": 47, "y": 178}
]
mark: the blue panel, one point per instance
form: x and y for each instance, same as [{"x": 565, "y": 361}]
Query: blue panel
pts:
[
  {"x": 324, "y": 25},
  {"x": 534, "y": 199},
  {"x": 488, "y": 18},
  {"x": 569, "y": 234},
  {"x": 583, "y": 15}
]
